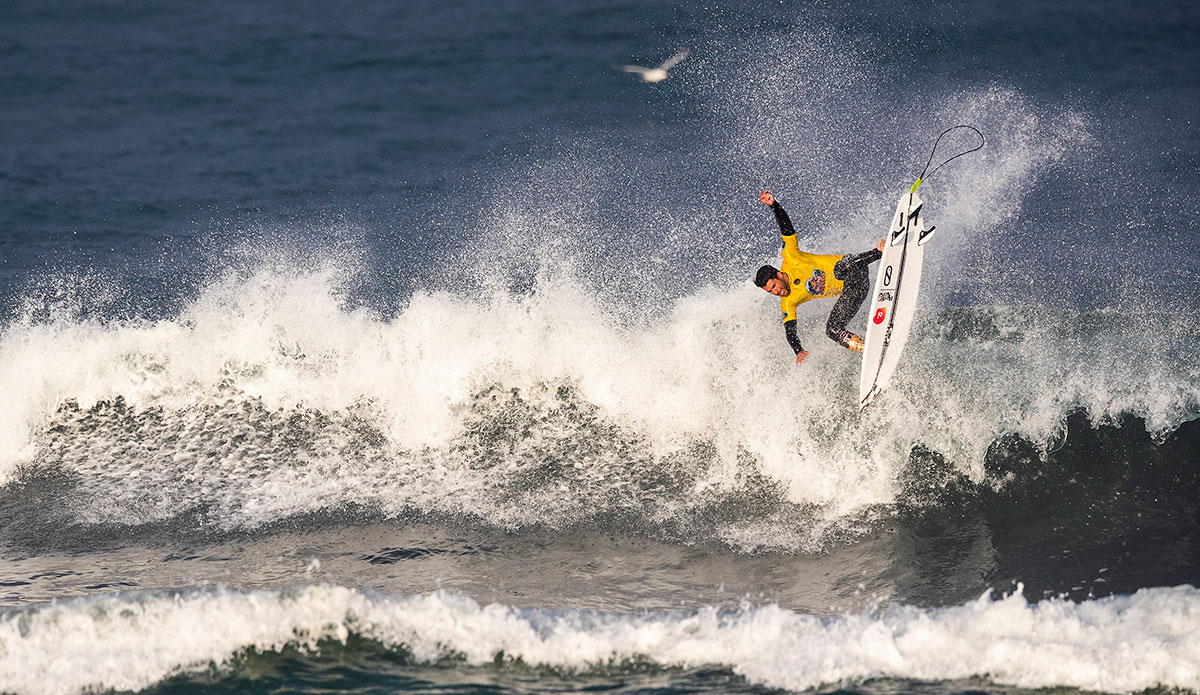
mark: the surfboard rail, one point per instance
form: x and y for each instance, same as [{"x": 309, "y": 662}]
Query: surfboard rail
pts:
[{"x": 893, "y": 297}]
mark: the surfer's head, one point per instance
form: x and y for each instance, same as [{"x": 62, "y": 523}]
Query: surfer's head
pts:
[{"x": 773, "y": 280}]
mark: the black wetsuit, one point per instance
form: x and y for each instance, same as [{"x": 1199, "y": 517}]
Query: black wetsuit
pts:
[{"x": 852, "y": 271}]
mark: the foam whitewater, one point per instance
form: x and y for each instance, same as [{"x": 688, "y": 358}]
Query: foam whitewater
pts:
[
  {"x": 131, "y": 641},
  {"x": 268, "y": 398}
]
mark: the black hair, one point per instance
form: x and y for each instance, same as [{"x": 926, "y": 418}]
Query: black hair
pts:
[{"x": 765, "y": 273}]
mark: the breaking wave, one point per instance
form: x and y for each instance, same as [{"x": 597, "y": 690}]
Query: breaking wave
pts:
[
  {"x": 269, "y": 398},
  {"x": 131, "y": 641}
]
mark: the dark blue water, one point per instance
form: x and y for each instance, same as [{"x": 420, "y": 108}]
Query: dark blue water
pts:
[{"x": 409, "y": 347}]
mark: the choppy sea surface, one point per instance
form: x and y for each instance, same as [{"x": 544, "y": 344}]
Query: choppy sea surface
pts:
[{"x": 410, "y": 347}]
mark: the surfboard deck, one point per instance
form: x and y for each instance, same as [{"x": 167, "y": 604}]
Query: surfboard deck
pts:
[{"x": 894, "y": 297}]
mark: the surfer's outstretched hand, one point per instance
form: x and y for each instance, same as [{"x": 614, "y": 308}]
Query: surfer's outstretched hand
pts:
[
  {"x": 801, "y": 356},
  {"x": 766, "y": 198},
  {"x": 881, "y": 244}
]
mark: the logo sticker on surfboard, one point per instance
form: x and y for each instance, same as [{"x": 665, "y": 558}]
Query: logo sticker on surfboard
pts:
[{"x": 880, "y": 314}]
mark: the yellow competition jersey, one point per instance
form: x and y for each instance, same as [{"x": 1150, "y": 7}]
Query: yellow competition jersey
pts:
[{"x": 811, "y": 275}]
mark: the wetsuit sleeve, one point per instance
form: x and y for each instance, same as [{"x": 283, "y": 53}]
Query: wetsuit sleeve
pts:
[
  {"x": 785, "y": 228},
  {"x": 782, "y": 219},
  {"x": 789, "y": 330}
]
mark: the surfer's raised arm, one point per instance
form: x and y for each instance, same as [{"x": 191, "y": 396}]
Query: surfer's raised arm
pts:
[{"x": 781, "y": 217}]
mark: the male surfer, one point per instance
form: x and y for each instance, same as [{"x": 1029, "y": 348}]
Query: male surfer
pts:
[{"x": 806, "y": 276}]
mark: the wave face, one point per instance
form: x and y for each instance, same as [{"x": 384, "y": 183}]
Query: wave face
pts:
[
  {"x": 267, "y": 398},
  {"x": 1119, "y": 644}
]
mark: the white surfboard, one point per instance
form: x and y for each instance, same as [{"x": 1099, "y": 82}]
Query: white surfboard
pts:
[{"x": 894, "y": 298}]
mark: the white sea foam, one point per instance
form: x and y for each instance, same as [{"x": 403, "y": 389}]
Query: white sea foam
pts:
[
  {"x": 268, "y": 398},
  {"x": 130, "y": 641}
]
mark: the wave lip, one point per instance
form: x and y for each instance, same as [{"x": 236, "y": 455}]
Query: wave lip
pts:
[{"x": 131, "y": 641}]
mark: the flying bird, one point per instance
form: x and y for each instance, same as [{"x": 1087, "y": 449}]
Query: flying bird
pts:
[{"x": 659, "y": 73}]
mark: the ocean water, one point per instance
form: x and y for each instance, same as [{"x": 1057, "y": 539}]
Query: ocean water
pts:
[{"x": 410, "y": 347}]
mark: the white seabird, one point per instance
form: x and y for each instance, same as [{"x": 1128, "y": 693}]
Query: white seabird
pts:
[{"x": 659, "y": 73}]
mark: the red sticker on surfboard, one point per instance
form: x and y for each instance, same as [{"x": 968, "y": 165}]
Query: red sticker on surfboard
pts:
[{"x": 880, "y": 313}]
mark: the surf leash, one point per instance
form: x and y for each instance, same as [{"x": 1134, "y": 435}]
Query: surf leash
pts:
[{"x": 922, "y": 177}]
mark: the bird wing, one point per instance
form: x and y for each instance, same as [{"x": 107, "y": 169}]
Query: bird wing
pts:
[
  {"x": 675, "y": 59},
  {"x": 632, "y": 68}
]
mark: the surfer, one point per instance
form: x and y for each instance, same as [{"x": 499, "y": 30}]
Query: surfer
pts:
[{"x": 806, "y": 276}]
